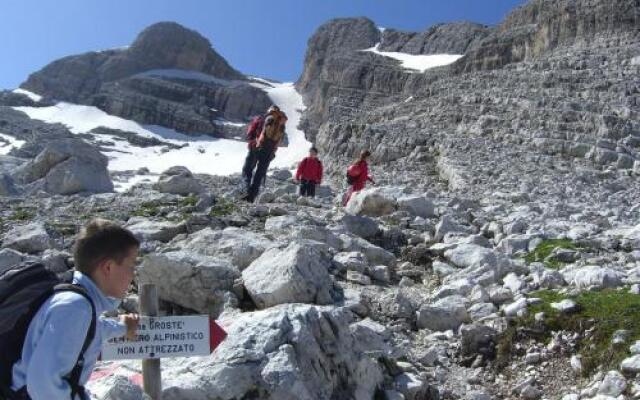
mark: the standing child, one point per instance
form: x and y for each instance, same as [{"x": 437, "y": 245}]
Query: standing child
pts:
[
  {"x": 55, "y": 361},
  {"x": 358, "y": 175},
  {"x": 309, "y": 173}
]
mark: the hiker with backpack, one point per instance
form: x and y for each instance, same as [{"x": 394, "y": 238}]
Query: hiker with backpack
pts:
[
  {"x": 51, "y": 329},
  {"x": 309, "y": 173},
  {"x": 266, "y": 147},
  {"x": 253, "y": 131},
  {"x": 357, "y": 176}
]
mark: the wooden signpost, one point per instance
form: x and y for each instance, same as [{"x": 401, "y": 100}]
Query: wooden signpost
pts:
[{"x": 158, "y": 337}]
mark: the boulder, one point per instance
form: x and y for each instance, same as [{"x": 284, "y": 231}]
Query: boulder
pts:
[
  {"x": 178, "y": 180},
  {"x": 353, "y": 261},
  {"x": 163, "y": 231},
  {"x": 117, "y": 387},
  {"x": 282, "y": 352},
  {"x": 481, "y": 310},
  {"x": 471, "y": 255},
  {"x": 55, "y": 260},
  {"x": 281, "y": 223},
  {"x": 371, "y": 202},
  {"x": 613, "y": 385},
  {"x": 447, "y": 225},
  {"x": 193, "y": 281},
  {"x": 66, "y": 166},
  {"x": 31, "y": 238},
  {"x": 631, "y": 364},
  {"x": 296, "y": 274},
  {"x": 593, "y": 276},
  {"x": 237, "y": 246},
  {"x": 372, "y": 338},
  {"x": 374, "y": 254},
  {"x": 281, "y": 174},
  {"x": 476, "y": 338},
  {"x": 10, "y": 258},
  {"x": 316, "y": 233},
  {"x": 364, "y": 227},
  {"x": 419, "y": 206},
  {"x": 447, "y": 313}
]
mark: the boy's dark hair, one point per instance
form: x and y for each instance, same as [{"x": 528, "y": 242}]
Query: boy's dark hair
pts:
[
  {"x": 102, "y": 240},
  {"x": 363, "y": 155},
  {"x": 313, "y": 149}
]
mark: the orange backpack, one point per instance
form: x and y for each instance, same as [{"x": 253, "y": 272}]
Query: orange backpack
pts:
[{"x": 274, "y": 129}]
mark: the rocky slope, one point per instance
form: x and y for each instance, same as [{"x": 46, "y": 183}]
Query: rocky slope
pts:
[
  {"x": 576, "y": 97},
  {"x": 499, "y": 258},
  {"x": 407, "y": 293},
  {"x": 169, "y": 76},
  {"x": 540, "y": 26},
  {"x": 339, "y": 78}
]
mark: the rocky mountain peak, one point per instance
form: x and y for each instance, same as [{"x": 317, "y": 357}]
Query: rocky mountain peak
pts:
[
  {"x": 165, "y": 45},
  {"x": 171, "y": 45},
  {"x": 338, "y": 36},
  {"x": 345, "y": 34},
  {"x": 170, "y": 76}
]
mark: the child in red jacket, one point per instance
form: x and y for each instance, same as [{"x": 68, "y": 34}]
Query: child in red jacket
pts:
[
  {"x": 358, "y": 173},
  {"x": 309, "y": 173}
]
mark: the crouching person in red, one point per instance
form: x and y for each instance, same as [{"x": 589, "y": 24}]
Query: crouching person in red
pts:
[
  {"x": 357, "y": 176},
  {"x": 309, "y": 173}
]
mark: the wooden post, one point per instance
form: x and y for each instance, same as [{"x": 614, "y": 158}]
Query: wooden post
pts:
[{"x": 151, "y": 374}]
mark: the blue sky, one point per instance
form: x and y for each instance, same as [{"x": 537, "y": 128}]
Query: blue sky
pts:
[{"x": 260, "y": 38}]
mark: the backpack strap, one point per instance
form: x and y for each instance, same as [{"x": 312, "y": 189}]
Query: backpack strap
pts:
[{"x": 73, "y": 377}]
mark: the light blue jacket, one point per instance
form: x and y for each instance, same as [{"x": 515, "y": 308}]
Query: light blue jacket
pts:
[{"x": 55, "y": 337}]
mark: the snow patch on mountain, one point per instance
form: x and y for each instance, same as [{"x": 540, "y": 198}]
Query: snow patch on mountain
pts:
[
  {"x": 9, "y": 142},
  {"x": 33, "y": 96},
  {"x": 201, "y": 154},
  {"x": 419, "y": 63}
]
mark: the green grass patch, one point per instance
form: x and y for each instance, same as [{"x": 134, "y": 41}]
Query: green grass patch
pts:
[
  {"x": 65, "y": 228},
  {"x": 545, "y": 248},
  {"x": 603, "y": 312},
  {"x": 21, "y": 214},
  {"x": 147, "y": 209},
  {"x": 223, "y": 207},
  {"x": 189, "y": 201}
]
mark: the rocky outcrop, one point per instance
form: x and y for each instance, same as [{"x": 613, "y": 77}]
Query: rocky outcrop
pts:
[
  {"x": 164, "y": 45},
  {"x": 185, "y": 102},
  {"x": 464, "y": 126},
  {"x": 543, "y": 25},
  {"x": 282, "y": 353},
  {"x": 339, "y": 36},
  {"x": 452, "y": 38},
  {"x": 169, "y": 76},
  {"x": 334, "y": 67},
  {"x": 36, "y": 134},
  {"x": 339, "y": 79},
  {"x": 66, "y": 166},
  {"x": 11, "y": 99}
]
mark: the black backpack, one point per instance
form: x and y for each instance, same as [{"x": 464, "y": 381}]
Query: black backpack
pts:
[
  {"x": 350, "y": 179},
  {"x": 23, "y": 290}
]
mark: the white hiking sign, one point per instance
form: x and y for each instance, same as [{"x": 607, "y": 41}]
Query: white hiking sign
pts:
[{"x": 159, "y": 337}]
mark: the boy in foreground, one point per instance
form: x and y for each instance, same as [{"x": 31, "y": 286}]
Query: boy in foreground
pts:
[{"x": 105, "y": 258}]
